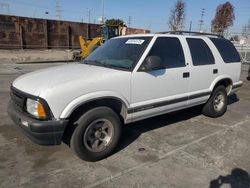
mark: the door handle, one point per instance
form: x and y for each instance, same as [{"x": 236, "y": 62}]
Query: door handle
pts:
[
  {"x": 186, "y": 74},
  {"x": 215, "y": 71}
]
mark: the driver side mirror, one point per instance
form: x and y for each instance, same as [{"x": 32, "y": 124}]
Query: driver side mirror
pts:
[{"x": 151, "y": 63}]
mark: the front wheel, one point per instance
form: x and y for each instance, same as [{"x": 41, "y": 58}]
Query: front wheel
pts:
[
  {"x": 97, "y": 134},
  {"x": 217, "y": 104}
]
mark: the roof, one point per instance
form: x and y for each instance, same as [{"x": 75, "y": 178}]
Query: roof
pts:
[{"x": 175, "y": 33}]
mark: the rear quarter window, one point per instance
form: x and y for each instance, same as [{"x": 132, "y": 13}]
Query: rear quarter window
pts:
[{"x": 227, "y": 50}]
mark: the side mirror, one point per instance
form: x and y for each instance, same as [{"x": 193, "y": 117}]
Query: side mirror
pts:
[{"x": 152, "y": 63}]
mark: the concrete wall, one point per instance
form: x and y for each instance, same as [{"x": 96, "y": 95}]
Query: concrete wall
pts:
[{"x": 32, "y": 33}]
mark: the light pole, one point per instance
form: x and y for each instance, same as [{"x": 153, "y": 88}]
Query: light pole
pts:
[{"x": 102, "y": 11}]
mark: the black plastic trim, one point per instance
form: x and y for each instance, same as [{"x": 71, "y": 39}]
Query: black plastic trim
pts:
[
  {"x": 41, "y": 132},
  {"x": 164, "y": 103}
]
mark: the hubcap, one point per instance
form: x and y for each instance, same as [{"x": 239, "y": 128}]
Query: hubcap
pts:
[
  {"x": 219, "y": 101},
  {"x": 98, "y": 135}
]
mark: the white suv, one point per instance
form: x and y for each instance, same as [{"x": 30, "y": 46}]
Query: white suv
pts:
[{"x": 127, "y": 79}]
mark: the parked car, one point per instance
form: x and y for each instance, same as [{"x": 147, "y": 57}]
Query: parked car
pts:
[{"x": 127, "y": 79}]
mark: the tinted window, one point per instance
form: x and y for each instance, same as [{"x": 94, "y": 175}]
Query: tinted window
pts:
[
  {"x": 227, "y": 50},
  {"x": 169, "y": 50},
  {"x": 200, "y": 52}
]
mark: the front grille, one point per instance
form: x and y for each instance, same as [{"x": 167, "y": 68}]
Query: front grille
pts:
[{"x": 18, "y": 99}]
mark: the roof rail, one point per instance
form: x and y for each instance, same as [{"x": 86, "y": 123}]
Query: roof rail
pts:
[{"x": 191, "y": 33}]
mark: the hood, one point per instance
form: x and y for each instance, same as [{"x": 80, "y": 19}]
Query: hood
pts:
[{"x": 40, "y": 81}]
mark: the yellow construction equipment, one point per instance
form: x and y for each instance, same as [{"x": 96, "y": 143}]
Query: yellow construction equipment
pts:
[{"x": 88, "y": 46}]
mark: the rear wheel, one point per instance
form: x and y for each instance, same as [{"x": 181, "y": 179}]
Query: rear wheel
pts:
[
  {"x": 217, "y": 104},
  {"x": 97, "y": 134}
]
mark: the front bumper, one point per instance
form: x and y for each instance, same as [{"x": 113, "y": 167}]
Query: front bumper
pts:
[{"x": 48, "y": 132}]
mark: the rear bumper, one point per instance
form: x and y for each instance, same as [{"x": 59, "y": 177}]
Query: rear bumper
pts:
[
  {"x": 236, "y": 86},
  {"x": 41, "y": 132}
]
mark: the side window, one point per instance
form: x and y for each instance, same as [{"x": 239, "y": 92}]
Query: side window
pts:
[
  {"x": 170, "y": 51},
  {"x": 200, "y": 52},
  {"x": 227, "y": 50}
]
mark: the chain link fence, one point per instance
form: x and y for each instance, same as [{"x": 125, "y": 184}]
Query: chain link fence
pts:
[{"x": 242, "y": 43}]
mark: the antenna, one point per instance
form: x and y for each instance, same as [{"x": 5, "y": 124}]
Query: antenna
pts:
[
  {"x": 58, "y": 10},
  {"x": 201, "y": 20}
]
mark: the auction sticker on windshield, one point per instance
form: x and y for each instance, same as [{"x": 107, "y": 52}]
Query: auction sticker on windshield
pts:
[{"x": 135, "y": 41}]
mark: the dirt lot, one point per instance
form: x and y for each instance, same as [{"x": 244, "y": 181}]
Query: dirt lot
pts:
[{"x": 182, "y": 149}]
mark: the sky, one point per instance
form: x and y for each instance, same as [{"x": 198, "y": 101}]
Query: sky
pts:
[{"x": 145, "y": 14}]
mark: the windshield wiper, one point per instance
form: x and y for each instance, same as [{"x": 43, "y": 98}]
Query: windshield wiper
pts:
[
  {"x": 93, "y": 62},
  {"x": 98, "y": 63}
]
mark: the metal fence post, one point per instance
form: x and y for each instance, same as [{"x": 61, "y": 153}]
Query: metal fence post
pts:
[
  {"x": 21, "y": 37},
  {"x": 46, "y": 35}
]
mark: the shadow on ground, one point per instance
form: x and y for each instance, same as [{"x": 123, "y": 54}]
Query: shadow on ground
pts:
[
  {"x": 237, "y": 179},
  {"x": 132, "y": 132}
]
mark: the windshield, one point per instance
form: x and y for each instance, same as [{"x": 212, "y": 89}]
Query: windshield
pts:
[{"x": 119, "y": 53}]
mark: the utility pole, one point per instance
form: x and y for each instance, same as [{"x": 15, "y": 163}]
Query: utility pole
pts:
[
  {"x": 102, "y": 12},
  {"x": 89, "y": 15},
  {"x": 5, "y": 6},
  {"x": 58, "y": 10},
  {"x": 201, "y": 22},
  {"x": 190, "y": 26},
  {"x": 129, "y": 21},
  {"x": 88, "y": 22},
  {"x": 129, "y": 24}
]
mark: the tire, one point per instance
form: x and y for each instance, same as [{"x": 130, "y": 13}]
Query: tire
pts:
[
  {"x": 216, "y": 106},
  {"x": 96, "y": 135}
]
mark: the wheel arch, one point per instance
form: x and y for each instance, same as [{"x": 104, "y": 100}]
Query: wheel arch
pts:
[
  {"x": 109, "y": 101},
  {"x": 115, "y": 103},
  {"x": 223, "y": 80}
]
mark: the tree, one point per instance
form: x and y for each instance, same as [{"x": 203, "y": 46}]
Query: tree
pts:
[
  {"x": 177, "y": 16},
  {"x": 116, "y": 22},
  {"x": 223, "y": 19}
]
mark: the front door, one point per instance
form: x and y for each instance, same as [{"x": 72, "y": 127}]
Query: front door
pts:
[{"x": 163, "y": 90}]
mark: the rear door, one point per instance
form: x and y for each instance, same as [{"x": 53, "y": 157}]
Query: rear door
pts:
[
  {"x": 230, "y": 58},
  {"x": 203, "y": 70}
]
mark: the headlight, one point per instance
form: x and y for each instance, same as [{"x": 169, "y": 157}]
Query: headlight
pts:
[{"x": 35, "y": 108}]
